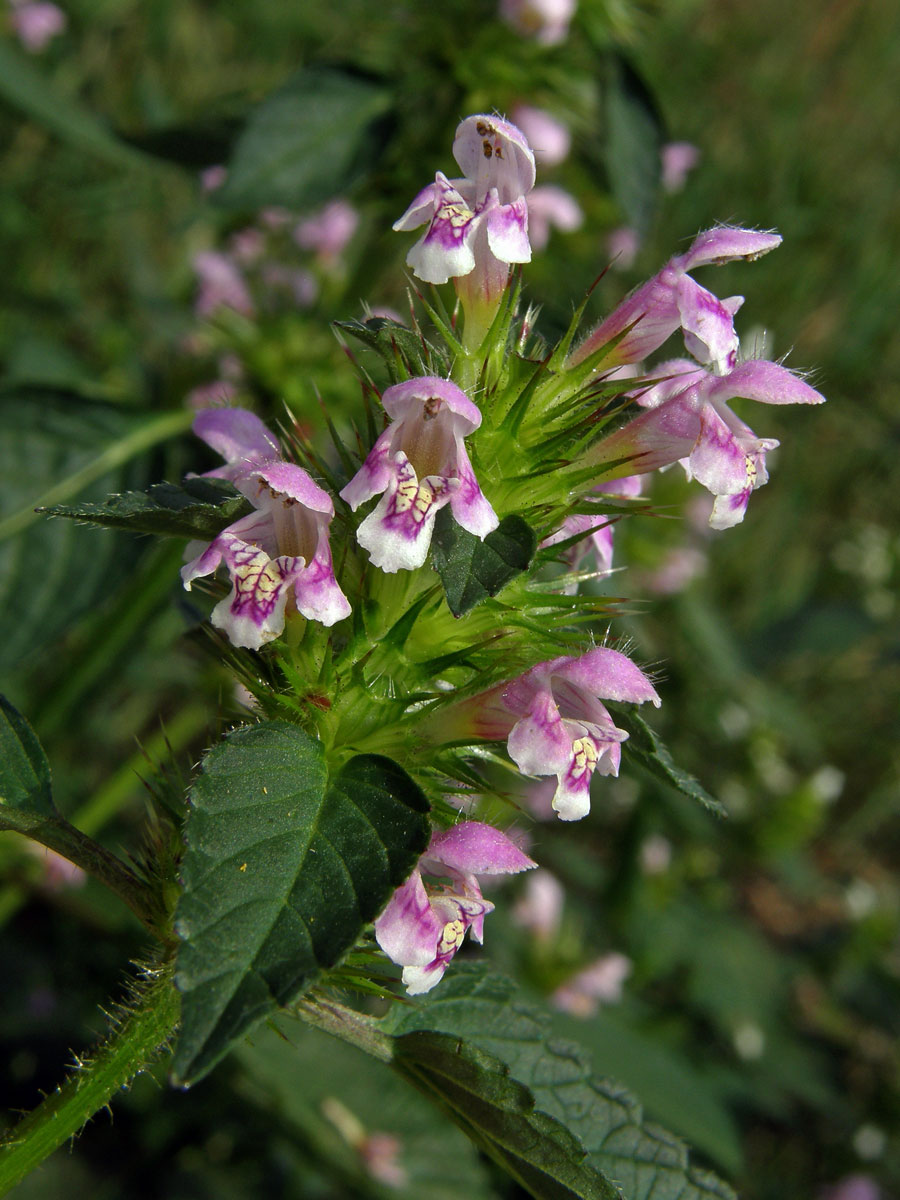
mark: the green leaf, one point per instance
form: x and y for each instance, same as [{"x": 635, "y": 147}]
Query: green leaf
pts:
[
  {"x": 634, "y": 141},
  {"x": 320, "y": 1087},
  {"x": 199, "y": 508},
  {"x": 31, "y": 91},
  {"x": 645, "y": 745},
  {"x": 308, "y": 141},
  {"x": 404, "y": 351},
  {"x": 56, "y": 448},
  {"x": 480, "y": 1015},
  {"x": 500, "y": 1116},
  {"x": 283, "y": 870},
  {"x": 24, "y": 770},
  {"x": 471, "y": 569}
]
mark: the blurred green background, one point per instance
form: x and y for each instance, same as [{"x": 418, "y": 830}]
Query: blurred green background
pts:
[{"x": 761, "y": 1015}]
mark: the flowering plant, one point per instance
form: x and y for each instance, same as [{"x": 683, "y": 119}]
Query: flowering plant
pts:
[{"x": 409, "y": 670}]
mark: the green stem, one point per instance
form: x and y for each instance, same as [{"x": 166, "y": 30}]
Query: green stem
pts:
[
  {"x": 348, "y": 1025},
  {"x": 137, "y": 1041},
  {"x": 57, "y": 834},
  {"x": 157, "y": 430}
]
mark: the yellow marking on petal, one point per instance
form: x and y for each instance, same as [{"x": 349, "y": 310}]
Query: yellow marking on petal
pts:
[
  {"x": 751, "y": 471},
  {"x": 451, "y": 937},
  {"x": 584, "y": 757}
]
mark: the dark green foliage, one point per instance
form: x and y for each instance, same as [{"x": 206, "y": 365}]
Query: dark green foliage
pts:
[
  {"x": 198, "y": 508},
  {"x": 634, "y": 140},
  {"x": 644, "y": 745},
  {"x": 283, "y": 870},
  {"x": 405, "y": 352},
  {"x": 24, "y": 770},
  {"x": 308, "y": 141},
  {"x": 471, "y": 570},
  {"x": 489, "y": 1031}
]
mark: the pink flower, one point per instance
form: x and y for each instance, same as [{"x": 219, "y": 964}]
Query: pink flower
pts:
[
  {"x": 278, "y": 553},
  {"x": 547, "y": 21},
  {"x": 622, "y": 245},
  {"x": 600, "y": 982},
  {"x": 221, "y": 285},
  {"x": 548, "y": 138},
  {"x": 419, "y": 464},
  {"x": 554, "y": 722},
  {"x": 678, "y": 160},
  {"x": 482, "y": 218},
  {"x": 329, "y": 231},
  {"x": 598, "y": 530},
  {"x": 540, "y": 908},
  {"x": 423, "y": 925},
  {"x": 212, "y": 178},
  {"x": 672, "y": 300},
  {"x": 550, "y": 206},
  {"x": 37, "y": 23},
  {"x": 727, "y": 457}
]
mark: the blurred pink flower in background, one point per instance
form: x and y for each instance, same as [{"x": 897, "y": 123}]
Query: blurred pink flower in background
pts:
[
  {"x": 655, "y": 854},
  {"x": 221, "y": 285},
  {"x": 212, "y": 178},
  {"x": 548, "y": 138},
  {"x": 539, "y": 909},
  {"x": 328, "y": 232},
  {"x": 853, "y": 1187},
  {"x": 208, "y": 395},
  {"x": 36, "y": 23},
  {"x": 678, "y": 160},
  {"x": 551, "y": 206},
  {"x": 600, "y": 983},
  {"x": 58, "y": 872},
  {"x": 547, "y": 21},
  {"x": 622, "y": 245}
]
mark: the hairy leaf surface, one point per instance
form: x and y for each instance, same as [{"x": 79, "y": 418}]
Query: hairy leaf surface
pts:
[
  {"x": 283, "y": 870},
  {"x": 198, "y": 508}
]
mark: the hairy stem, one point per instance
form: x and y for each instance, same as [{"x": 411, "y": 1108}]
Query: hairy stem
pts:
[{"x": 143, "y": 1033}]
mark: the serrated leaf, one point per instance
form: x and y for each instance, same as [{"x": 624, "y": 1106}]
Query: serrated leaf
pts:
[
  {"x": 397, "y": 346},
  {"x": 646, "y": 746},
  {"x": 198, "y": 508},
  {"x": 283, "y": 870},
  {"x": 482, "y": 1011},
  {"x": 634, "y": 140},
  {"x": 307, "y": 142},
  {"x": 25, "y": 788},
  {"x": 500, "y": 1116},
  {"x": 471, "y": 570}
]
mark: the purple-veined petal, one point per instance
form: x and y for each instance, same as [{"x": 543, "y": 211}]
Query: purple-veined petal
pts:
[
  {"x": 253, "y": 612},
  {"x": 444, "y": 251},
  {"x": 654, "y": 439},
  {"x": 397, "y": 533},
  {"x": 572, "y": 799},
  {"x": 507, "y": 232},
  {"x": 255, "y": 528},
  {"x": 726, "y": 243},
  {"x": 478, "y": 849},
  {"x": 374, "y": 475},
  {"x": 719, "y": 461},
  {"x": 421, "y": 209},
  {"x": 470, "y": 507},
  {"x": 708, "y": 325},
  {"x": 539, "y": 744},
  {"x": 408, "y": 930},
  {"x": 728, "y": 511}
]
